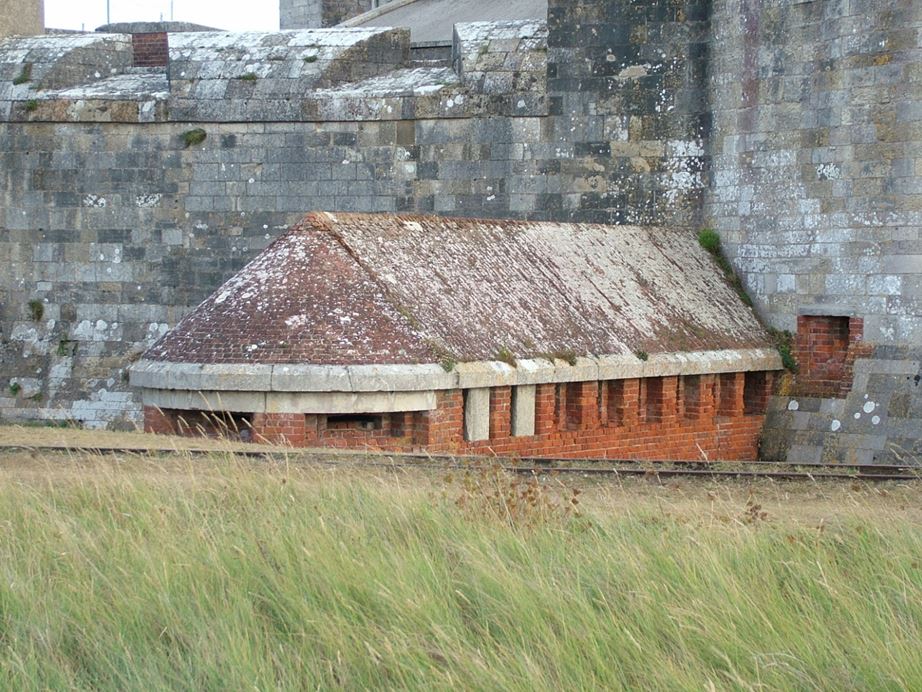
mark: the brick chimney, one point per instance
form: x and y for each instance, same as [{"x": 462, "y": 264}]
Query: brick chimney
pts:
[{"x": 151, "y": 49}]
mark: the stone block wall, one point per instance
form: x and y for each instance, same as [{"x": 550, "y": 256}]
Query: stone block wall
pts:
[
  {"x": 300, "y": 14},
  {"x": 816, "y": 193},
  {"x": 817, "y": 184},
  {"x": 627, "y": 87},
  {"x": 878, "y": 421},
  {"x": 716, "y": 417}
]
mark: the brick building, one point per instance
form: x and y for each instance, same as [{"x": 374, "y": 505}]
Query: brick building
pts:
[{"x": 460, "y": 335}]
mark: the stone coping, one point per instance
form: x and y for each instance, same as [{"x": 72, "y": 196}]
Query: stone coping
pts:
[
  {"x": 827, "y": 310},
  {"x": 244, "y": 377}
]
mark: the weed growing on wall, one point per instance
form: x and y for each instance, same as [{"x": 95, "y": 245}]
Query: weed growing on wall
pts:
[
  {"x": 710, "y": 241},
  {"x": 36, "y": 309},
  {"x": 25, "y": 75},
  {"x": 784, "y": 342},
  {"x": 192, "y": 137},
  {"x": 504, "y": 355}
]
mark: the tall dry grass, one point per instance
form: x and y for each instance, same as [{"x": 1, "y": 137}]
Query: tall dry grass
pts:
[{"x": 235, "y": 576}]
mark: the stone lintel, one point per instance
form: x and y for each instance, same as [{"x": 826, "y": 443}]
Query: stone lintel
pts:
[
  {"x": 244, "y": 377},
  {"x": 827, "y": 309}
]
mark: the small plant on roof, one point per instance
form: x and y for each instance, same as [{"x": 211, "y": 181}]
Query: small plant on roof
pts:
[
  {"x": 448, "y": 363},
  {"x": 25, "y": 75},
  {"x": 15, "y": 388},
  {"x": 31, "y": 105},
  {"x": 784, "y": 342},
  {"x": 192, "y": 137},
  {"x": 248, "y": 77},
  {"x": 310, "y": 58},
  {"x": 642, "y": 355},
  {"x": 710, "y": 241},
  {"x": 504, "y": 355},
  {"x": 568, "y": 355},
  {"x": 36, "y": 309}
]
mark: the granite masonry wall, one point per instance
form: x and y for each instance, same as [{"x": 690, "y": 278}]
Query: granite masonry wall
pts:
[
  {"x": 626, "y": 83},
  {"x": 793, "y": 128},
  {"x": 816, "y": 190}
]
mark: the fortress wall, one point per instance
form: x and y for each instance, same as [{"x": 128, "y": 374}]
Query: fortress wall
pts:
[
  {"x": 817, "y": 176},
  {"x": 816, "y": 190},
  {"x": 114, "y": 229},
  {"x": 117, "y": 230},
  {"x": 626, "y": 82}
]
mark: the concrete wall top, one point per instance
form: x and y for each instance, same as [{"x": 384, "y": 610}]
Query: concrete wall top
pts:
[{"x": 287, "y": 76}]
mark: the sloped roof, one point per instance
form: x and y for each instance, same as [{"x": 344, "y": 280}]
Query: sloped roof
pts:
[{"x": 355, "y": 289}]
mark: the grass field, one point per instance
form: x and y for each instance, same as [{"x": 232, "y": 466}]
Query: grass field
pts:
[{"x": 222, "y": 574}]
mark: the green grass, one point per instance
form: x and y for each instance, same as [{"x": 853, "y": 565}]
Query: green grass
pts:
[
  {"x": 25, "y": 75},
  {"x": 710, "y": 241},
  {"x": 123, "y": 575}
]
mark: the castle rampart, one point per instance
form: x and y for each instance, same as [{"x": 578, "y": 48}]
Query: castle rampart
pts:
[{"x": 130, "y": 192}]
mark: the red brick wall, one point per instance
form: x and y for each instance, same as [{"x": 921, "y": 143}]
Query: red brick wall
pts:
[
  {"x": 198, "y": 423},
  {"x": 626, "y": 419},
  {"x": 151, "y": 50},
  {"x": 826, "y": 348},
  {"x": 659, "y": 418}
]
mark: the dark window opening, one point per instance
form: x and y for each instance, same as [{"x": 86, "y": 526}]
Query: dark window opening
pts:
[
  {"x": 216, "y": 424},
  {"x": 755, "y": 393},
  {"x": 822, "y": 353},
  {"x": 398, "y": 424},
  {"x": 728, "y": 384},
  {"x": 692, "y": 396},
  {"x": 574, "y": 408},
  {"x": 615, "y": 390},
  {"x": 355, "y": 422},
  {"x": 654, "y": 403}
]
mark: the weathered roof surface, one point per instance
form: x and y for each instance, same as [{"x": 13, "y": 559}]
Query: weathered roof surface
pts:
[
  {"x": 351, "y": 289},
  {"x": 433, "y": 20}
]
